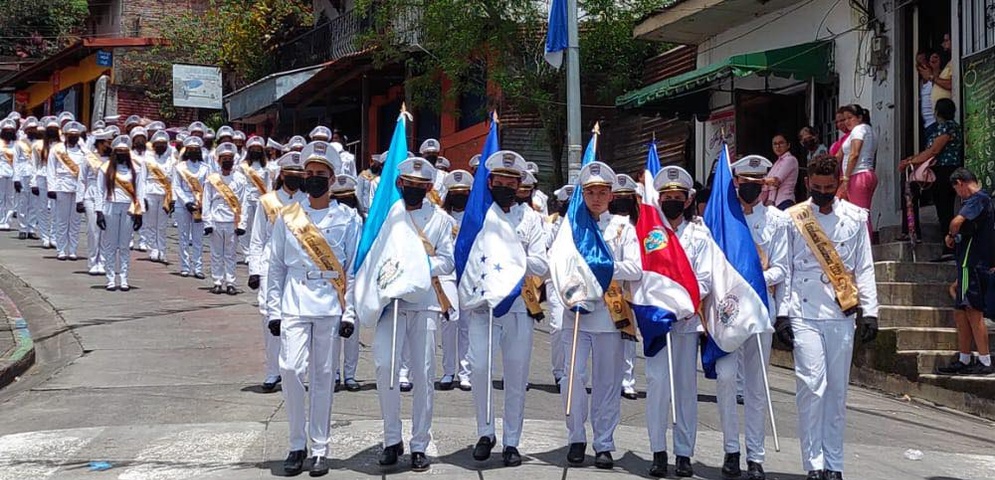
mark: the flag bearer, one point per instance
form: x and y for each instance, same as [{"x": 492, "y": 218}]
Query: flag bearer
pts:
[
  {"x": 120, "y": 203},
  {"x": 309, "y": 278},
  {"x": 64, "y": 160},
  {"x": 343, "y": 191},
  {"x": 189, "y": 178},
  {"x": 456, "y": 331},
  {"x": 159, "y": 193},
  {"x": 224, "y": 221},
  {"x": 625, "y": 204},
  {"x": 87, "y": 190}
]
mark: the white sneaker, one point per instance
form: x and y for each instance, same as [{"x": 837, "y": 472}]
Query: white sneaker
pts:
[
  {"x": 124, "y": 285},
  {"x": 73, "y": 257},
  {"x": 111, "y": 286},
  {"x": 464, "y": 384},
  {"x": 94, "y": 270},
  {"x": 61, "y": 256},
  {"x": 101, "y": 270}
]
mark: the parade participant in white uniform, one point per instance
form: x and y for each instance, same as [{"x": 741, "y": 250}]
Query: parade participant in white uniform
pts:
[
  {"x": 287, "y": 190},
  {"x": 367, "y": 183},
  {"x": 625, "y": 204},
  {"x": 769, "y": 229},
  {"x": 676, "y": 196},
  {"x": 10, "y": 160},
  {"x": 348, "y": 159},
  {"x": 119, "y": 204},
  {"x": 598, "y": 338},
  {"x": 416, "y": 323},
  {"x": 540, "y": 201},
  {"x": 321, "y": 133},
  {"x": 309, "y": 280},
  {"x": 442, "y": 168},
  {"x": 238, "y": 139},
  {"x": 430, "y": 150},
  {"x": 24, "y": 172},
  {"x": 343, "y": 191},
  {"x": 455, "y": 332},
  {"x": 224, "y": 220},
  {"x": 557, "y": 357},
  {"x": 209, "y": 138},
  {"x": 274, "y": 150},
  {"x": 131, "y": 123},
  {"x": 296, "y": 143},
  {"x": 159, "y": 194},
  {"x": 140, "y": 154},
  {"x": 64, "y": 161},
  {"x": 39, "y": 188},
  {"x": 820, "y": 320},
  {"x": 87, "y": 190},
  {"x": 189, "y": 178},
  {"x": 474, "y": 163},
  {"x": 255, "y": 171},
  {"x": 512, "y": 332}
]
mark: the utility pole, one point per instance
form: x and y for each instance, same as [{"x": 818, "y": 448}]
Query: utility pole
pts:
[{"x": 573, "y": 94}]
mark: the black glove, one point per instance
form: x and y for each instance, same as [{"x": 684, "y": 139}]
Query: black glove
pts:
[
  {"x": 274, "y": 327},
  {"x": 136, "y": 222},
  {"x": 80, "y": 208},
  {"x": 346, "y": 329},
  {"x": 18, "y": 187},
  {"x": 146, "y": 204},
  {"x": 35, "y": 191},
  {"x": 782, "y": 328},
  {"x": 191, "y": 207},
  {"x": 208, "y": 231},
  {"x": 172, "y": 208},
  {"x": 537, "y": 317},
  {"x": 51, "y": 195},
  {"x": 101, "y": 222},
  {"x": 239, "y": 232},
  {"x": 254, "y": 282},
  {"x": 868, "y": 329}
]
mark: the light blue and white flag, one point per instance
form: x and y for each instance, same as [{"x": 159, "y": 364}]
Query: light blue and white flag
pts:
[
  {"x": 556, "y": 36},
  {"x": 736, "y": 309},
  {"x": 478, "y": 203}
]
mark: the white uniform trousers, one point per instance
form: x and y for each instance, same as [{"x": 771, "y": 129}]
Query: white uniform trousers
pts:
[
  {"x": 754, "y": 397},
  {"x": 8, "y": 202},
  {"x": 243, "y": 241},
  {"x": 416, "y": 330},
  {"x": 685, "y": 352},
  {"x": 114, "y": 241},
  {"x": 512, "y": 339},
  {"x": 455, "y": 343},
  {"x": 605, "y": 350},
  {"x": 350, "y": 356},
  {"x": 463, "y": 346},
  {"x": 191, "y": 240},
  {"x": 66, "y": 223},
  {"x": 223, "y": 241},
  {"x": 557, "y": 357},
  {"x": 823, "y": 352},
  {"x": 270, "y": 342},
  {"x": 309, "y": 343},
  {"x": 24, "y": 215},
  {"x": 42, "y": 212},
  {"x": 154, "y": 226},
  {"x": 93, "y": 255},
  {"x": 629, "y": 365}
]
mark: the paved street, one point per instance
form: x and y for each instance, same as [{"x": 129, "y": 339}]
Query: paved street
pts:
[{"x": 161, "y": 383}]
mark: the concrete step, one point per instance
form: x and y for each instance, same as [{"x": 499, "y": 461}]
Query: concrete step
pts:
[
  {"x": 931, "y": 232},
  {"x": 924, "y": 294},
  {"x": 978, "y": 386},
  {"x": 902, "y": 252},
  {"x": 892, "y": 316},
  {"x": 919, "y": 272},
  {"x": 927, "y": 361},
  {"x": 928, "y": 338}
]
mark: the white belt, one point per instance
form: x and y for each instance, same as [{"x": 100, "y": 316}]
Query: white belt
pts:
[{"x": 315, "y": 274}]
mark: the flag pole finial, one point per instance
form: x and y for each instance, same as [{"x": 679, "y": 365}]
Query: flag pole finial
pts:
[
  {"x": 405, "y": 113},
  {"x": 494, "y": 116},
  {"x": 597, "y": 128}
]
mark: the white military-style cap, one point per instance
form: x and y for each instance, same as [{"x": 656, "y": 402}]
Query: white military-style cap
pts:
[
  {"x": 255, "y": 142},
  {"x": 196, "y": 127},
  {"x": 564, "y": 193},
  {"x": 192, "y": 142},
  {"x": 225, "y": 131},
  {"x": 320, "y": 133},
  {"x": 296, "y": 141},
  {"x": 155, "y": 126},
  {"x": 138, "y": 131},
  {"x": 532, "y": 168},
  {"x": 96, "y": 124},
  {"x": 290, "y": 161},
  {"x": 673, "y": 178},
  {"x": 528, "y": 181},
  {"x": 624, "y": 184},
  {"x": 208, "y": 133},
  {"x": 8, "y": 124},
  {"x": 506, "y": 163},
  {"x": 113, "y": 128},
  {"x": 238, "y": 135},
  {"x": 133, "y": 120},
  {"x": 29, "y": 123},
  {"x": 73, "y": 128},
  {"x": 378, "y": 157},
  {"x": 15, "y": 116},
  {"x": 112, "y": 118},
  {"x": 160, "y": 136},
  {"x": 320, "y": 152},
  {"x": 66, "y": 117},
  {"x": 343, "y": 184},
  {"x": 275, "y": 145},
  {"x": 121, "y": 142},
  {"x": 458, "y": 180},
  {"x": 595, "y": 174},
  {"x": 430, "y": 146},
  {"x": 442, "y": 163},
  {"x": 751, "y": 166},
  {"x": 102, "y": 134},
  {"x": 226, "y": 149},
  {"x": 51, "y": 122},
  {"x": 475, "y": 161},
  {"x": 417, "y": 169}
]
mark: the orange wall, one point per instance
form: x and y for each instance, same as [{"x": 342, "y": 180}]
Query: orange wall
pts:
[{"x": 84, "y": 72}]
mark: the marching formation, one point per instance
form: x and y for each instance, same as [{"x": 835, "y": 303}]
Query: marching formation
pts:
[{"x": 411, "y": 250}]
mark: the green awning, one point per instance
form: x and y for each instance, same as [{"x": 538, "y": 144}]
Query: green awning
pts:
[{"x": 802, "y": 62}]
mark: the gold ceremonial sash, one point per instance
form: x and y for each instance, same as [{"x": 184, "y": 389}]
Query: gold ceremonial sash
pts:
[
  {"x": 162, "y": 179},
  {"x": 256, "y": 179},
  {"x": 764, "y": 264},
  {"x": 436, "y": 284},
  {"x": 226, "y": 193},
  {"x": 368, "y": 175},
  {"x": 271, "y": 205},
  {"x": 315, "y": 246},
  {"x": 136, "y": 207},
  {"x": 530, "y": 294},
  {"x": 94, "y": 162},
  {"x": 8, "y": 152},
  {"x": 195, "y": 187},
  {"x": 842, "y": 281},
  {"x": 434, "y": 197},
  {"x": 617, "y": 302},
  {"x": 67, "y": 162}
]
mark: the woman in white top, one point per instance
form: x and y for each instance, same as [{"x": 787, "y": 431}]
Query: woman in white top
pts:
[
  {"x": 119, "y": 204},
  {"x": 858, "y": 180}
]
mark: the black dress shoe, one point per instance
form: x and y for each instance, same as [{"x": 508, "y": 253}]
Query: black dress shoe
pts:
[
  {"x": 389, "y": 455},
  {"x": 406, "y": 386},
  {"x": 270, "y": 386},
  {"x": 682, "y": 467},
  {"x": 832, "y": 475},
  {"x": 231, "y": 290},
  {"x": 352, "y": 385},
  {"x": 739, "y": 400},
  {"x": 556, "y": 381},
  {"x": 446, "y": 383},
  {"x": 604, "y": 461},
  {"x": 755, "y": 471},
  {"x": 575, "y": 456},
  {"x": 511, "y": 457},
  {"x": 199, "y": 276},
  {"x": 659, "y": 467},
  {"x": 482, "y": 450},
  {"x": 294, "y": 463},
  {"x": 629, "y": 395},
  {"x": 22, "y": 236},
  {"x": 217, "y": 290},
  {"x": 815, "y": 475},
  {"x": 730, "y": 467},
  {"x": 319, "y": 467},
  {"x": 419, "y": 462}
]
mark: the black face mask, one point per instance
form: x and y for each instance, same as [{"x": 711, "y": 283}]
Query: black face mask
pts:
[
  {"x": 293, "y": 182},
  {"x": 33, "y": 135},
  {"x": 822, "y": 199},
  {"x": 432, "y": 158},
  {"x": 8, "y": 135},
  {"x": 349, "y": 201},
  {"x": 72, "y": 140},
  {"x": 810, "y": 143},
  {"x": 159, "y": 149},
  {"x": 51, "y": 134},
  {"x": 562, "y": 208},
  {"x": 376, "y": 168},
  {"x": 457, "y": 201},
  {"x": 255, "y": 155},
  {"x": 316, "y": 186},
  {"x": 503, "y": 196},
  {"x": 672, "y": 209},
  {"x": 413, "y": 196},
  {"x": 749, "y": 192},
  {"x": 227, "y": 164},
  {"x": 194, "y": 156},
  {"x": 122, "y": 157},
  {"x": 621, "y": 206}
]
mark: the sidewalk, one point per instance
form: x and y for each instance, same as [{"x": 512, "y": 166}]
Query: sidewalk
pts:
[{"x": 17, "y": 352}]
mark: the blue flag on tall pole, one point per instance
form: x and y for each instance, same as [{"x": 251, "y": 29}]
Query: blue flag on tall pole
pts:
[
  {"x": 387, "y": 194},
  {"x": 556, "y": 36},
  {"x": 478, "y": 203}
]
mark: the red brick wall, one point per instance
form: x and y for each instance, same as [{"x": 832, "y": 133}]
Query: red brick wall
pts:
[
  {"x": 141, "y": 18},
  {"x": 132, "y": 101}
]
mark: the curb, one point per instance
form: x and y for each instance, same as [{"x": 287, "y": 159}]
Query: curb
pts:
[{"x": 23, "y": 355}]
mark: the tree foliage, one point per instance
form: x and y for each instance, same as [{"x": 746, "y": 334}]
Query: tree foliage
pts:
[{"x": 38, "y": 28}]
